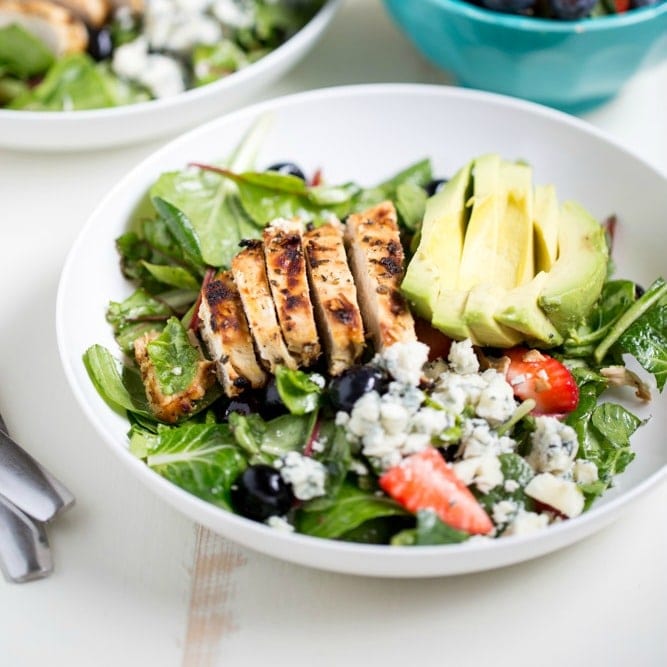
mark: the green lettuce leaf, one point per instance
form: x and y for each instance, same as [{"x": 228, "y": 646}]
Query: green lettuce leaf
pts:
[
  {"x": 352, "y": 507},
  {"x": 200, "y": 458},
  {"x": 174, "y": 358},
  {"x": 23, "y": 54},
  {"x": 297, "y": 391}
]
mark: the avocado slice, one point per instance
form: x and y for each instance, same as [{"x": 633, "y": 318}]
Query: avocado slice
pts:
[
  {"x": 575, "y": 280},
  {"x": 448, "y": 314},
  {"x": 545, "y": 226},
  {"x": 479, "y": 256},
  {"x": 478, "y": 314},
  {"x": 519, "y": 310},
  {"x": 435, "y": 264},
  {"x": 514, "y": 253}
]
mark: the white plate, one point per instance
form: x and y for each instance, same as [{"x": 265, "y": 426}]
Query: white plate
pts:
[
  {"x": 366, "y": 133},
  {"x": 85, "y": 130}
]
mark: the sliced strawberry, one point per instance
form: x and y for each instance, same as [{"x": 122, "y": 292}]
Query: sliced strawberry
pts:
[
  {"x": 438, "y": 343},
  {"x": 622, "y": 6},
  {"x": 536, "y": 375},
  {"x": 426, "y": 481}
]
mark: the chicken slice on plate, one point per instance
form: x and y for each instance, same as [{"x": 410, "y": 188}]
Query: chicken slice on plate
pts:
[
  {"x": 286, "y": 271},
  {"x": 334, "y": 296},
  {"x": 250, "y": 277},
  {"x": 376, "y": 260},
  {"x": 225, "y": 332},
  {"x": 170, "y": 408},
  {"x": 93, "y": 12},
  {"x": 61, "y": 30}
]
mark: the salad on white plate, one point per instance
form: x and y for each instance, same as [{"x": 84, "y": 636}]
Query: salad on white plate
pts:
[
  {"x": 69, "y": 55},
  {"x": 422, "y": 362}
]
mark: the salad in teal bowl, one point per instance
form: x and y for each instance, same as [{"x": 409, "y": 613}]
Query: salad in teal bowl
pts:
[{"x": 573, "y": 56}]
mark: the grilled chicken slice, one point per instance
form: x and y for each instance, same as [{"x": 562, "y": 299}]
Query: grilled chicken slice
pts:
[
  {"x": 286, "y": 271},
  {"x": 376, "y": 260},
  {"x": 225, "y": 332},
  {"x": 334, "y": 296},
  {"x": 93, "y": 12},
  {"x": 249, "y": 273},
  {"x": 61, "y": 30},
  {"x": 135, "y": 6},
  {"x": 171, "y": 408}
]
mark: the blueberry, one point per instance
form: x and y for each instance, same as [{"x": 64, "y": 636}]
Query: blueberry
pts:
[
  {"x": 449, "y": 452},
  {"x": 244, "y": 405},
  {"x": 435, "y": 186},
  {"x": 508, "y": 6},
  {"x": 270, "y": 403},
  {"x": 348, "y": 388},
  {"x": 570, "y": 10},
  {"x": 260, "y": 492},
  {"x": 100, "y": 44},
  {"x": 288, "y": 169}
]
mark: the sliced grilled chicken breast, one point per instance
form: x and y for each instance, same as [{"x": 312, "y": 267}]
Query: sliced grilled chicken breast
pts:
[
  {"x": 250, "y": 277},
  {"x": 93, "y": 12},
  {"x": 286, "y": 271},
  {"x": 135, "y": 6},
  {"x": 334, "y": 296},
  {"x": 170, "y": 408},
  {"x": 376, "y": 260},
  {"x": 59, "y": 28},
  {"x": 225, "y": 332}
]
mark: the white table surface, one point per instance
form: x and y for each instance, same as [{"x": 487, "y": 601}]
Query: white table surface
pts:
[{"x": 138, "y": 584}]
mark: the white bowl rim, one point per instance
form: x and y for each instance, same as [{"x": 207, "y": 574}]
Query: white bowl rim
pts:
[{"x": 192, "y": 505}]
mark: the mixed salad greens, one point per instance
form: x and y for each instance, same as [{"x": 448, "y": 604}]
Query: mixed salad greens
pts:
[
  {"x": 54, "y": 56},
  {"x": 398, "y": 450}
]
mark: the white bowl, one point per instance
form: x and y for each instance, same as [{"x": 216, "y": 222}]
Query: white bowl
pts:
[
  {"x": 365, "y": 133},
  {"x": 117, "y": 126}
]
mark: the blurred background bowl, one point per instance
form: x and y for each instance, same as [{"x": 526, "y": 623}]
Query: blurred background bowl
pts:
[
  {"x": 570, "y": 65},
  {"x": 144, "y": 121}
]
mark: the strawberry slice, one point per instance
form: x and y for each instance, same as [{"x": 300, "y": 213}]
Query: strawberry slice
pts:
[
  {"x": 426, "y": 481},
  {"x": 621, "y": 6},
  {"x": 536, "y": 375}
]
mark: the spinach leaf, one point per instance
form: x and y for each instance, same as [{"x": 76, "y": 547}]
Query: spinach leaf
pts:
[
  {"x": 174, "y": 358},
  {"x": 182, "y": 230},
  {"x": 379, "y": 531},
  {"x": 411, "y": 204},
  {"x": 175, "y": 276},
  {"x": 105, "y": 374},
  {"x": 603, "y": 431},
  {"x": 211, "y": 62},
  {"x": 352, "y": 507},
  {"x": 642, "y": 331},
  {"x": 269, "y": 195},
  {"x": 431, "y": 530},
  {"x": 211, "y": 202},
  {"x": 22, "y": 53},
  {"x": 266, "y": 440},
  {"x": 135, "y": 316},
  {"x": 297, "y": 391},
  {"x": 200, "y": 458}
]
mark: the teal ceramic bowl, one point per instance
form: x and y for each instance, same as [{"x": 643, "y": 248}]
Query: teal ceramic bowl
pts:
[{"x": 570, "y": 65}]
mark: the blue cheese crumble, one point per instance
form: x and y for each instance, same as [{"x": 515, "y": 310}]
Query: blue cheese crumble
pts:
[{"x": 306, "y": 475}]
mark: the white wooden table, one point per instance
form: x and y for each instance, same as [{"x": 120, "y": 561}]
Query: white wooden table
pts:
[{"x": 137, "y": 584}]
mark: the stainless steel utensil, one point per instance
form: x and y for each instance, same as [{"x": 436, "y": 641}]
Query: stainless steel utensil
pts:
[
  {"x": 24, "y": 546},
  {"x": 29, "y": 496},
  {"x": 26, "y": 484}
]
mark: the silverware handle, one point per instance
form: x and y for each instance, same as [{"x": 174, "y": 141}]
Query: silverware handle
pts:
[
  {"x": 27, "y": 485},
  {"x": 24, "y": 546}
]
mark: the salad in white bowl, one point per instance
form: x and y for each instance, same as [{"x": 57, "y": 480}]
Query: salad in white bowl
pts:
[
  {"x": 422, "y": 362},
  {"x": 68, "y": 55}
]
